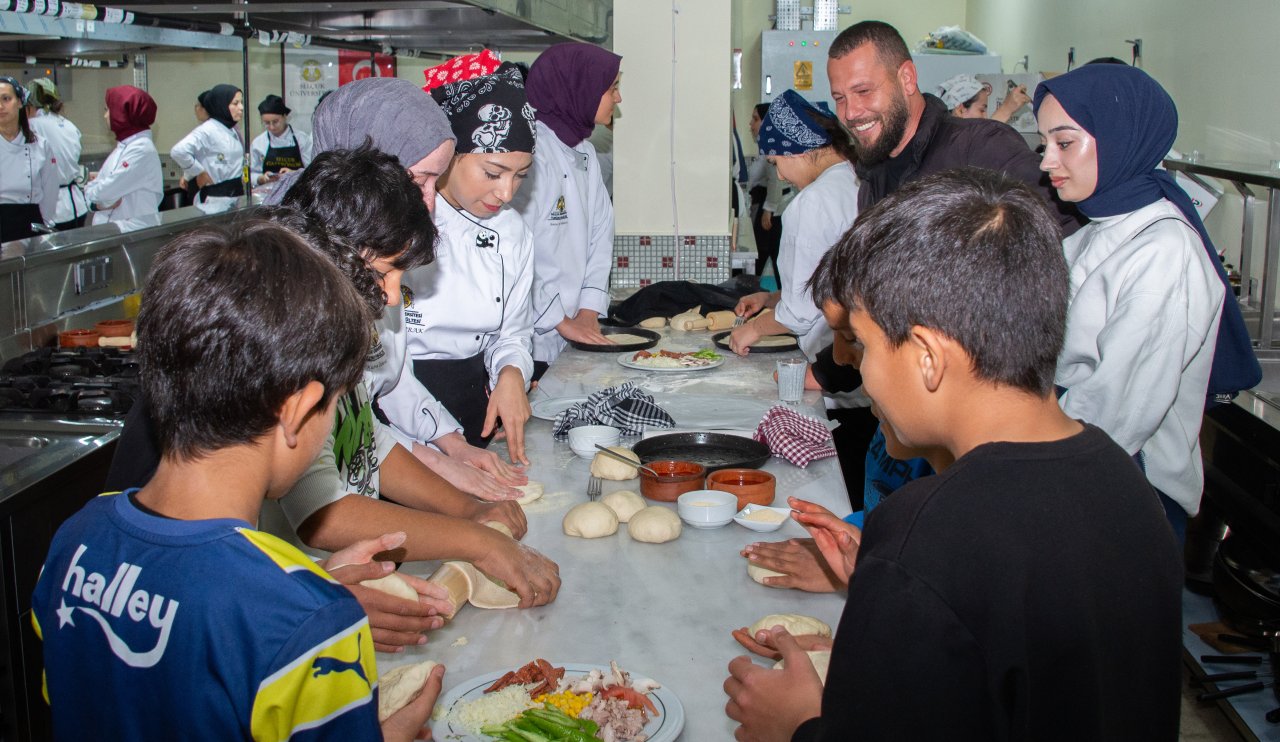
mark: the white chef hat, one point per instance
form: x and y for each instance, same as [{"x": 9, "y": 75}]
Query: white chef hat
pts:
[{"x": 959, "y": 89}]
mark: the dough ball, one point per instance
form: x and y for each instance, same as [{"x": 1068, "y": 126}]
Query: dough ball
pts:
[
  {"x": 794, "y": 623},
  {"x": 654, "y": 323},
  {"x": 398, "y": 687},
  {"x": 654, "y": 525},
  {"x": 758, "y": 573},
  {"x": 590, "y": 520},
  {"x": 393, "y": 584},
  {"x": 624, "y": 503},
  {"x": 821, "y": 661},
  {"x": 500, "y": 528},
  {"x": 529, "y": 492},
  {"x": 607, "y": 467}
]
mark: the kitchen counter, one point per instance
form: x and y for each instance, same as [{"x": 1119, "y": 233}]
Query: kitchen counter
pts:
[
  {"x": 33, "y": 449},
  {"x": 661, "y": 610}
]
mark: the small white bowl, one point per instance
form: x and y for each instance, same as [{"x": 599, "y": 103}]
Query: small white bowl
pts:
[
  {"x": 583, "y": 439},
  {"x": 706, "y": 508},
  {"x": 758, "y": 525}
]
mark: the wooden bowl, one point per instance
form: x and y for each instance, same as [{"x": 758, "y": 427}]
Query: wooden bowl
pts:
[
  {"x": 78, "y": 339},
  {"x": 751, "y": 486},
  {"x": 115, "y": 328},
  {"x": 674, "y": 479}
]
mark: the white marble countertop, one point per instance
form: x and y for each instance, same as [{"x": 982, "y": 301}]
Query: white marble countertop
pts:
[{"x": 661, "y": 610}]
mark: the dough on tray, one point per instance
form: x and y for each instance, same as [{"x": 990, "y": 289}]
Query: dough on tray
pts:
[
  {"x": 655, "y": 525},
  {"x": 607, "y": 467},
  {"x": 590, "y": 520},
  {"x": 623, "y": 338},
  {"x": 624, "y": 503}
]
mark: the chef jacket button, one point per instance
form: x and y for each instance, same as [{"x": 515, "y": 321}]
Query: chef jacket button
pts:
[
  {"x": 497, "y": 299},
  {"x": 477, "y": 337}
]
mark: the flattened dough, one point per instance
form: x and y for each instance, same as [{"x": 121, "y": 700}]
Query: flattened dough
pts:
[
  {"x": 774, "y": 341},
  {"x": 500, "y": 528},
  {"x": 794, "y": 623},
  {"x": 758, "y": 573},
  {"x": 655, "y": 525},
  {"x": 396, "y": 688},
  {"x": 623, "y": 338},
  {"x": 465, "y": 583},
  {"x": 529, "y": 492},
  {"x": 821, "y": 661},
  {"x": 590, "y": 520},
  {"x": 624, "y": 504},
  {"x": 393, "y": 584}
]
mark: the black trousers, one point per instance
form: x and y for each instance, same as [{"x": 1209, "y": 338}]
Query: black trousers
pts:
[
  {"x": 767, "y": 243},
  {"x": 462, "y": 386}
]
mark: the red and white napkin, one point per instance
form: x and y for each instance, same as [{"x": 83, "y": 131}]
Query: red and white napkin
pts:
[{"x": 795, "y": 437}]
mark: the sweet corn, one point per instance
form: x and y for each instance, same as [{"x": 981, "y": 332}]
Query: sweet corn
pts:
[{"x": 567, "y": 702}]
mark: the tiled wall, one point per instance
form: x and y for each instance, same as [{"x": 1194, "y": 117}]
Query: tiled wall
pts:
[{"x": 639, "y": 260}]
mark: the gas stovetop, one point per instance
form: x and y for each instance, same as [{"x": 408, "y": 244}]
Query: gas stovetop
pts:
[{"x": 71, "y": 382}]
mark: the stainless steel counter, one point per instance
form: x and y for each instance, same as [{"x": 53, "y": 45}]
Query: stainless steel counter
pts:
[
  {"x": 660, "y": 610},
  {"x": 32, "y": 448}
]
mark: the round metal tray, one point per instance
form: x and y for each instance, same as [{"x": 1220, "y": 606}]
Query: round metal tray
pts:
[
  {"x": 721, "y": 340},
  {"x": 608, "y": 330},
  {"x": 715, "y": 451}
]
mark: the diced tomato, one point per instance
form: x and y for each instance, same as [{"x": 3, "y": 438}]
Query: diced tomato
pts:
[{"x": 634, "y": 698}]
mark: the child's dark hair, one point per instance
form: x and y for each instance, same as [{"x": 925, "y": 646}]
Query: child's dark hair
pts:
[
  {"x": 761, "y": 109},
  {"x": 233, "y": 321},
  {"x": 841, "y": 142},
  {"x": 360, "y": 205},
  {"x": 970, "y": 253}
]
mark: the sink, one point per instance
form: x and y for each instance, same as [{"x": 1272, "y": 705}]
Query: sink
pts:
[{"x": 12, "y": 440}]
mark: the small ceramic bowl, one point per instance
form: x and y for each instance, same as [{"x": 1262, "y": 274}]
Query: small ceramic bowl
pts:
[
  {"x": 114, "y": 328},
  {"x": 674, "y": 479},
  {"x": 751, "y": 486},
  {"x": 78, "y": 339},
  {"x": 583, "y": 439},
  {"x": 764, "y": 526},
  {"x": 706, "y": 508}
]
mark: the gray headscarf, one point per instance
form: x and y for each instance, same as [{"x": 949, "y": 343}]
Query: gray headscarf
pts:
[{"x": 400, "y": 119}]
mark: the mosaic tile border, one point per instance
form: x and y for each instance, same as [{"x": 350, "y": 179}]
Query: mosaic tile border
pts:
[{"x": 640, "y": 260}]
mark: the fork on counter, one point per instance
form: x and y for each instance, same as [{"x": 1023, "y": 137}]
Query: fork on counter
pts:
[{"x": 593, "y": 488}]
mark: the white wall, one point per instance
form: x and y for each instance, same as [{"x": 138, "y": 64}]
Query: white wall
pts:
[{"x": 642, "y": 181}]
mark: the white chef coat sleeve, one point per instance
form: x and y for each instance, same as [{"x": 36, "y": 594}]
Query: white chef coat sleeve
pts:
[
  {"x": 515, "y": 338},
  {"x": 49, "y": 182},
  {"x": 188, "y": 151},
  {"x": 595, "y": 287},
  {"x": 533, "y": 201},
  {"x": 111, "y": 186},
  {"x": 772, "y": 189},
  {"x": 304, "y": 146},
  {"x": 257, "y": 156},
  {"x": 796, "y": 310},
  {"x": 1139, "y": 350},
  {"x": 414, "y": 411}
]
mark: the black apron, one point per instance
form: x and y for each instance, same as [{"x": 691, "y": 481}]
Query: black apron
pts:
[
  {"x": 16, "y": 220},
  {"x": 278, "y": 158},
  {"x": 77, "y": 219},
  {"x": 462, "y": 386},
  {"x": 229, "y": 187}
]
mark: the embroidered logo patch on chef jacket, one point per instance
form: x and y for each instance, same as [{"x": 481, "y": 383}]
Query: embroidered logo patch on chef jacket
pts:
[
  {"x": 406, "y": 294},
  {"x": 558, "y": 215}
]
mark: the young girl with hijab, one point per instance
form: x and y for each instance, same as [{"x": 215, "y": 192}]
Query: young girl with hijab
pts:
[
  {"x": 131, "y": 182},
  {"x": 1152, "y": 324},
  {"x": 279, "y": 149},
  {"x": 812, "y": 152},
  {"x": 572, "y": 87},
  {"x": 468, "y": 313},
  {"x": 28, "y": 174},
  {"x": 398, "y": 118},
  {"x": 212, "y": 155},
  {"x": 44, "y": 110}
]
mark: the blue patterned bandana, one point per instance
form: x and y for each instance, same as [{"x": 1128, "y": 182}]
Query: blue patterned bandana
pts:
[{"x": 791, "y": 127}]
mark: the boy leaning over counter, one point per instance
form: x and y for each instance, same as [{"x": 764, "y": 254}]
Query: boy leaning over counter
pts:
[
  {"x": 1032, "y": 591},
  {"x": 164, "y": 613}
]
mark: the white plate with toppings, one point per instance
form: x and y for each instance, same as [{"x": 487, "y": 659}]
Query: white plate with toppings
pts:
[
  {"x": 654, "y": 360},
  {"x": 665, "y": 727},
  {"x": 547, "y": 408}
]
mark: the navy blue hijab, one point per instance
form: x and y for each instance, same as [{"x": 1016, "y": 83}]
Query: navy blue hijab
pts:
[{"x": 1134, "y": 123}]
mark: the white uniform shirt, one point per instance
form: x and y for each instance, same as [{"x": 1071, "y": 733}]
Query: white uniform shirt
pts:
[
  {"x": 566, "y": 206},
  {"x": 1142, "y": 326},
  {"x": 415, "y": 414},
  {"x": 28, "y": 175},
  {"x": 258, "y": 149},
  {"x": 210, "y": 148},
  {"x": 816, "y": 219},
  {"x": 475, "y": 297},
  {"x": 131, "y": 175},
  {"x": 63, "y": 139}
]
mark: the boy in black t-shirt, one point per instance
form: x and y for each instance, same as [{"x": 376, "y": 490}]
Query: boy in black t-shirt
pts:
[{"x": 1033, "y": 589}]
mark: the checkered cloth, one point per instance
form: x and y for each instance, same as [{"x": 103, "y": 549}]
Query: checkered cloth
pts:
[
  {"x": 794, "y": 437},
  {"x": 624, "y": 407}
]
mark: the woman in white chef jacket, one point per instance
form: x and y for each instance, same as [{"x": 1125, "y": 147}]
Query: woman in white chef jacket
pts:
[
  {"x": 279, "y": 149},
  {"x": 468, "y": 313},
  {"x": 212, "y": 155},
  {"x": 812, "y": 152},
  {"x": 573, "y": 87},
  {"x": 28, "y": 174},
  {"x": 131, "y": 182},
  {"x": 44, "y": 110}
]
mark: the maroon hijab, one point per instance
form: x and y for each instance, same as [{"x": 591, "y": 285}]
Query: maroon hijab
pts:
[
  {"x": 131, "y": 109},
  {"x": 565, "y": 85}
]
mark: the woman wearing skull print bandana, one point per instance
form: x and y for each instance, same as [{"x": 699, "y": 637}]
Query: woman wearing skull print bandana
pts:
[{"x": 468, "y": 313}]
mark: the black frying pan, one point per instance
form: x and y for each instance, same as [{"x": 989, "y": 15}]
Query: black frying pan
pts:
[
  {"x": 606, "y": 330},
  {"x": 715, "y": 451}
]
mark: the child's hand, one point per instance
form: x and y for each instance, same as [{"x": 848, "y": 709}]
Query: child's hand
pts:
[
  {"x": 409, "y": 722},
  {"x": 837, "y": 540},
  {"x": 801, "y": 564},
  {"x": 771, "y": 704},
  {"x": 762, "y": 643}
]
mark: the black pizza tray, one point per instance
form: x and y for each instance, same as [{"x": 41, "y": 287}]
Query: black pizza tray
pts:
[
  {"x": 715, "y": 451},
  {"x": 721, "y": 340},
  {"x": 608, "y": 330}
]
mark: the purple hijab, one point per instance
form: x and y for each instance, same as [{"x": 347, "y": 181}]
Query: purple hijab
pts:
[{"x": 565, "y": 85}]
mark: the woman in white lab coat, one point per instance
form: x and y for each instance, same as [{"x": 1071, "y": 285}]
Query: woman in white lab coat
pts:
[
  {"x": 44, "y": 110},
  {"x": 212, "y": 155},
  {"x": 573, "y": 87},
  {"x": 468, "y": 313},
  {"x": 279, "y": 149},
  {"x": 812, "y": 152},
  {"x": 28, "y": 174},
  {"x": 131, "y": 181}
]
